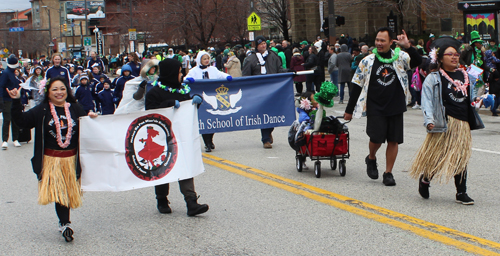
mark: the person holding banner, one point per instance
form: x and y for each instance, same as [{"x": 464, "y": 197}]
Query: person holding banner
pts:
[
  {"x": 55, "y": 161},
  {"x": 263, "y": 62},
  {"x": 203, "y": 70},
  {"x": 169, "y": 92}
]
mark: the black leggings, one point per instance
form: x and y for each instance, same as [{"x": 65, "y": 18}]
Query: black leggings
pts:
[
  {"x": 208, "y": 138},
  {"x": 63, "y": 214},
  {"x": 460, "y": 182}
]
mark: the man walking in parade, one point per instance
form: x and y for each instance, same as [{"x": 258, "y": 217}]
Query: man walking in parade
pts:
[
  {"x": 263, "y": 62},
  {"x": 380, "y": 90}
]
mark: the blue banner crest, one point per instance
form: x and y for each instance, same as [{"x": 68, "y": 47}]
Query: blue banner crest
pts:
[{"x": 253, "y": 102}]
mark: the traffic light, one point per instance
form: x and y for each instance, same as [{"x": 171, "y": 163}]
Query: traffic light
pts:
[
  {"x": 340, "y": 20},
  {"x": 65, "y": 27}
]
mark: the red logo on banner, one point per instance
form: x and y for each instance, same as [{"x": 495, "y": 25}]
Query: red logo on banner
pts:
[{"x": 150, "y": 147}]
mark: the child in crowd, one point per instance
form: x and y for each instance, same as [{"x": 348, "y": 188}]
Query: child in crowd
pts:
[
  {"x": 83, "y": 94},
  {"x": 106, "y": 99}
]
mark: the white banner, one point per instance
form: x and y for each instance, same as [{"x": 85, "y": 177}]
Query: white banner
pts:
[{"x": 141, "y": 149}]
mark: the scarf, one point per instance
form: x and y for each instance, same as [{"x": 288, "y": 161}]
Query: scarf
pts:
[
  {"x": 262, "y": 62},
  {"x": 477, "y": 59}
]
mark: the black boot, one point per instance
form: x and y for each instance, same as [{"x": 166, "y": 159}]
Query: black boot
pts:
[
  {"x": 193, "y": 208},
  {"x": 163, "y": 205}
]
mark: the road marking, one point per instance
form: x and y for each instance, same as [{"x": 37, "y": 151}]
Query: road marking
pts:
[
  {"x": 354, "y": 206},
  {"x": 486, "y": 151}
]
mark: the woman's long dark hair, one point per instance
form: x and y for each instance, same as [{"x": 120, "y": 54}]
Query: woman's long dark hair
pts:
[{"x": 70, "y": 98}]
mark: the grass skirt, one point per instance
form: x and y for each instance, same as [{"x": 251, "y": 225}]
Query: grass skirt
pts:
[
  {"x": 59, "y": 183},
  {"x": 444, "y": 155}
]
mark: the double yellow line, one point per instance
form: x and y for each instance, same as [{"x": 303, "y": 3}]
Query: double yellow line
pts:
[{"x": 420, "y": 227}]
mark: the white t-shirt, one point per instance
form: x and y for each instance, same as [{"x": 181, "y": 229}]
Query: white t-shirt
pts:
[{"x": 186, "y": 62}]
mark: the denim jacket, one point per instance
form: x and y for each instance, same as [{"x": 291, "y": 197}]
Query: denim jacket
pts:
[{"x": 432, "y": 103}]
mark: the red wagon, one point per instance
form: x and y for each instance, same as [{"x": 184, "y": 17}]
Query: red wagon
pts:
[{"x": 325, "y": 146}]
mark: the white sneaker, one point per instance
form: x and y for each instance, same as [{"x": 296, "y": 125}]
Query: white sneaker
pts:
[
  {"x": 5, "y": 145},
  {"x": 416, "y": 106},
  {"x": 17, "y": 144},
  {"x": 304, "y": 166}
]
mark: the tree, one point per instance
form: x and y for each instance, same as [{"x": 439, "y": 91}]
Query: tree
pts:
[
  {"x": 277, "y": 13},
  {"x": 197, "y": 18}
]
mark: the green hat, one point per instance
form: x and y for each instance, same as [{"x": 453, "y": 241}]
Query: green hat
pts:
[
  {"x": 475, "y": 38},
  {"x": 304, "y": 43},
  {"x": 326, "y": 93},
  {"x": 274, "y": 49}
]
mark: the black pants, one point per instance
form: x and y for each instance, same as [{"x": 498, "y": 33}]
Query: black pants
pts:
[
  {"x": 63, "y": 214},
  {"x": 299, "y": 87},
  {"x": 208, "y": 138},
  {"x": 186, "y": 187},
  {"x": 6, "y": 123}
]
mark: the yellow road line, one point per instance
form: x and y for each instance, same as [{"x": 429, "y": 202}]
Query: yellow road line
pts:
[{"x": 321, "y": 195}]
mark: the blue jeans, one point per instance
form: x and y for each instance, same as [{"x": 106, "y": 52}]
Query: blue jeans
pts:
[
  {"x": 342, "y": 87},
  {"x": 334, "y": 77},
  {"x": 266, "y": 134}
]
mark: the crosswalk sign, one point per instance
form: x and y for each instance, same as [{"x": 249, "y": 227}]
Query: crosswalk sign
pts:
[{"x": 253, "y": 22}]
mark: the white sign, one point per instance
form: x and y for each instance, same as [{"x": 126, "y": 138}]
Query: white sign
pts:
[
  {"x": 61, "y": 47},
  {"x": 132, "y": 34},
  {"x": 88, "y": 48},
  {"x": 251, "y": 36},
  {"x": 140, "y": 149}
]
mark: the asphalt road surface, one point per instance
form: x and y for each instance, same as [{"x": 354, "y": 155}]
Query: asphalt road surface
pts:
[{"x": 261, "y": 205}]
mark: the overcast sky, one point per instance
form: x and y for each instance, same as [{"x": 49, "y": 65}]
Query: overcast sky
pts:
[{"x": 16, "y": 4}]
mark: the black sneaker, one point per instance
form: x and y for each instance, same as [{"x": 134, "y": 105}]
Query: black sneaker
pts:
[
  {"x": 388, "y": 179},
  {"x": 371, "y": 168},
  {"x": 208, "y": 149},
  {"x": 463, "y": 198},
  {"x": 67, "y": 232},
  {"x": 423, "y": 187}
]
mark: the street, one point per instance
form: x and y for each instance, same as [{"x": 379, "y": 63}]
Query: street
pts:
[{"x": 260, "y": 205}]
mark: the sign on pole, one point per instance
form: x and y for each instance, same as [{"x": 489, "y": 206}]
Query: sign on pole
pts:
[
  {"x": 251, "y": 36},
  {"x": 132, "y": 34},
  {"x": 61, "y": 47},
  {"x": 87, "y": 43},
  {"x": 16, "y": 29},
  {"x": 253, "y": 22}
]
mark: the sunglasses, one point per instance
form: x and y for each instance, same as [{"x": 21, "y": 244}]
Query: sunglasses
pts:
[{"x": 452, "y": 54}]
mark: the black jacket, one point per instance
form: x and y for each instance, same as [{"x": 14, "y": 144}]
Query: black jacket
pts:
[
  {"x": 159, "y": 98},
  {"x": 35, "y": 117},
  {"x": 273, "y": 65}
]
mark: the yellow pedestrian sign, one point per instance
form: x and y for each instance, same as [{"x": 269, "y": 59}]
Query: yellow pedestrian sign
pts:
[{"x": 253, "y": 22}]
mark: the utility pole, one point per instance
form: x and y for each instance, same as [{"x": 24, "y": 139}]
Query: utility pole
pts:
[
  {"x": 132, "y": 43},
  {"x": 18, "y": 35},
  {"x": 86, "y": 20},
  {"x": 331, "y": 22},
  {"x": 50, "y": 29}
]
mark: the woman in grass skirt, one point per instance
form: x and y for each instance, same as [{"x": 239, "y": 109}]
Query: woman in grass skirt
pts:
[
  {"x": 446, "y": 105},
  {"x": 55, "y": 159}
]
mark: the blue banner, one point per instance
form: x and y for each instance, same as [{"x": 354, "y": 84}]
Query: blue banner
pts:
[{"x": 252, "y": 102}]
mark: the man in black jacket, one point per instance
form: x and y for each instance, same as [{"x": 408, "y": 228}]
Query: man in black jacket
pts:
[{"x": 262, "y": 62}]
